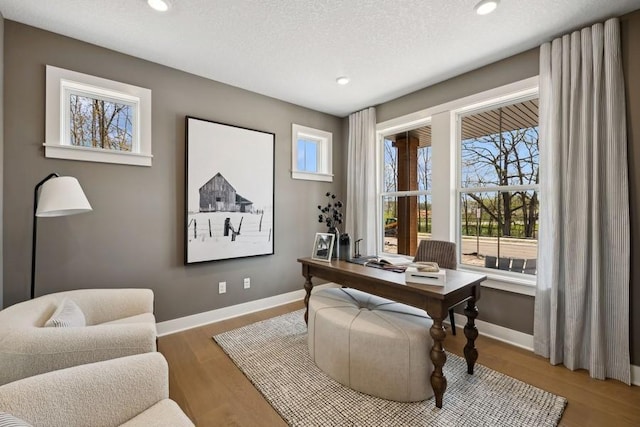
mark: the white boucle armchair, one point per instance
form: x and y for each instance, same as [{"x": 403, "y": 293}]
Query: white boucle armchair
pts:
[
  {"x": 119, "y": 322},
  {"x": 128, "y": 391}
]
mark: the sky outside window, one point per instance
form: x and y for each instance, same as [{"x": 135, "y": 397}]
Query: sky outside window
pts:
[{"x": 307, "y": 155}]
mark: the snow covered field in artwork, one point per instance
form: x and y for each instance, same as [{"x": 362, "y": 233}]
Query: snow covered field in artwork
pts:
[{"x": 249, "y": 234}]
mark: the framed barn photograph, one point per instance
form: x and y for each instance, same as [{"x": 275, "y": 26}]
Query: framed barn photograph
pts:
[{"x": 229, "y": 191}]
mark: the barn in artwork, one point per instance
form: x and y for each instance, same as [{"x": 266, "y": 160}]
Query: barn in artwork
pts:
[{"x": 217, "y": 195}]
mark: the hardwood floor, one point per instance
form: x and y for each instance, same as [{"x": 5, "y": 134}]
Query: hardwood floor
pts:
[{"x": 213, "y": 392}]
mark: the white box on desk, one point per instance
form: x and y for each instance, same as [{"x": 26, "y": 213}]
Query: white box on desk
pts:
[{"x": 412, "y": 275}]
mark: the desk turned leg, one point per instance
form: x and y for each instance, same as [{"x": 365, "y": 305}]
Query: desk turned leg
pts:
[
  {"x": 438, "y": 357},
  {"x": 307, "y": 287},
  {"x": 471, "y": 332}
]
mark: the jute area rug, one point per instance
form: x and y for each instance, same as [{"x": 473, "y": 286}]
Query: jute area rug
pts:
[{"x": 273, "y": 355}]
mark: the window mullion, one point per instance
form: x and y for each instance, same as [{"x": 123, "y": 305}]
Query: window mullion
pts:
[
  {"x": 406, "y": 193},
  {"x": 531, "y": 187}
]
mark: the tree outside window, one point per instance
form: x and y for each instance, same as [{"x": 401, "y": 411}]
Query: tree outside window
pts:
[
  {"x": 99, "y": 123},
  {"x": 499, "y": 198}
]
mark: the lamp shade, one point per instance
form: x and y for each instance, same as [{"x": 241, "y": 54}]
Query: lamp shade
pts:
[{"x": 62, "y": 196}]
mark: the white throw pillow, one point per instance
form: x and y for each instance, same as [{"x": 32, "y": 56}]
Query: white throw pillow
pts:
[
  {"x": 68, "y": 314},
  {"x": 8, "y": 420}
]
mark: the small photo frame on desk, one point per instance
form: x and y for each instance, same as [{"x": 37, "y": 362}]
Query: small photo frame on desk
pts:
[{"x": 323, "y": 246}]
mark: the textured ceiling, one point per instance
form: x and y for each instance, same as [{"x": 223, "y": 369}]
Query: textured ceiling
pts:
[{"x": 294, "y": 50}]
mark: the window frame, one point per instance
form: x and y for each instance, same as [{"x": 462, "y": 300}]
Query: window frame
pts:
[
  {"x": 444, "y": 152},
  {"x": 381, "y": 136},
  {"x": 459, "y": 114},
  {"x": 324, "y": 159},
  {"x": 61, "y": 84}
]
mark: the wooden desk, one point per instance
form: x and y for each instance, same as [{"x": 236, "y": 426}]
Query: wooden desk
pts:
[{"x": 435, "y": 300}]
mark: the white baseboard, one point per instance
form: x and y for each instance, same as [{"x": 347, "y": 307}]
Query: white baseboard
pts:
[
  {"x": 520, "y": 339},
  {"x": 188, "y": 322},
  {"x": 500, "y": 333}
]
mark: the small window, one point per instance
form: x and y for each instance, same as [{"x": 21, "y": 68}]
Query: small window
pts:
[
  {"x": 94, "y": 119},
  {"x": 311, "y": 154}
]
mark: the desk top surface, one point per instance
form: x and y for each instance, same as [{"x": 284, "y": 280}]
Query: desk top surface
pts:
[{"x": 456, "y": 280}]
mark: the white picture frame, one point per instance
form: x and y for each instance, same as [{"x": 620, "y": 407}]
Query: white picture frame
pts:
[
  {"x": 64, "y": 86},
  {"x": 323, "y": 246}
]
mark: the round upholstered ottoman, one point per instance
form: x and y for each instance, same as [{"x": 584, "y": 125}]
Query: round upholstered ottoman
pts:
[{"x": 371, "y": 344}]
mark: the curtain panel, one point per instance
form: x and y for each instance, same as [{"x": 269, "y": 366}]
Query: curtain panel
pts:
[
  {"x": 361, "y": 180},
  {"x": 582, "y": 299}
]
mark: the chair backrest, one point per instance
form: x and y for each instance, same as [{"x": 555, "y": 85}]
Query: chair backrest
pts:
[
  {"x": 504, "y": 263},
  {"x": 31, "y": 313},
  {"x": 517, "y": 265},
  {"x": 442, "y": 252},
  {"x": 530, "y": 267},
  {"x": 490, "y": 261}
]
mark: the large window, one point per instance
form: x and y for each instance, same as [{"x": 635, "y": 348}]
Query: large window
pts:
[
  {"x": 406, "y": 192},
  {"x": 467, "y": 172},
  {"x": 498, "y": 186}
]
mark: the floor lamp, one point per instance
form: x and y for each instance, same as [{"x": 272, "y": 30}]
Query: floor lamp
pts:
[{"x": 59, "y": 196}]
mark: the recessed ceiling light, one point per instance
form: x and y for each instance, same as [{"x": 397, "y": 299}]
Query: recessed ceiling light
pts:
[
  {"x": 343, "y": 80},
  {"x": 486, "y": 6},
  {"x": 159, "y": 5}
]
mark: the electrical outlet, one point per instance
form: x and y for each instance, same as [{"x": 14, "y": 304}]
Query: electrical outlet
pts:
[
  {"x": 222, "y": 287},
  {"x": 247, "y": 282}
]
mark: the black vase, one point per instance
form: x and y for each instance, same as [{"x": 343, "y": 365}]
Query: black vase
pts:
[{"x": 345, "y": 246}]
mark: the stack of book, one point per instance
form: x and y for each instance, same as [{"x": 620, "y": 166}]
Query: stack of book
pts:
[{"x": 426, "y": 274}]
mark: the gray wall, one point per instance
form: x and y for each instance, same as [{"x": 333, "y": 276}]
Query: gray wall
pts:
[
  {"x": 517, "y": 67},
  {"x": 134, "y": 236},
  {"x": 507, "y": 309}
]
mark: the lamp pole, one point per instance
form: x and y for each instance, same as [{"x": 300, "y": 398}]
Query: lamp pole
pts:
[
  {"x": 55, "y": 196},
  {"x": 35, "y": 225}
]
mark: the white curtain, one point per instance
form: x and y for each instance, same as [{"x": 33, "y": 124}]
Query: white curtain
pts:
[
  {"x": 582, "y": 299},
  {"x": 361, "y": 180}
]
